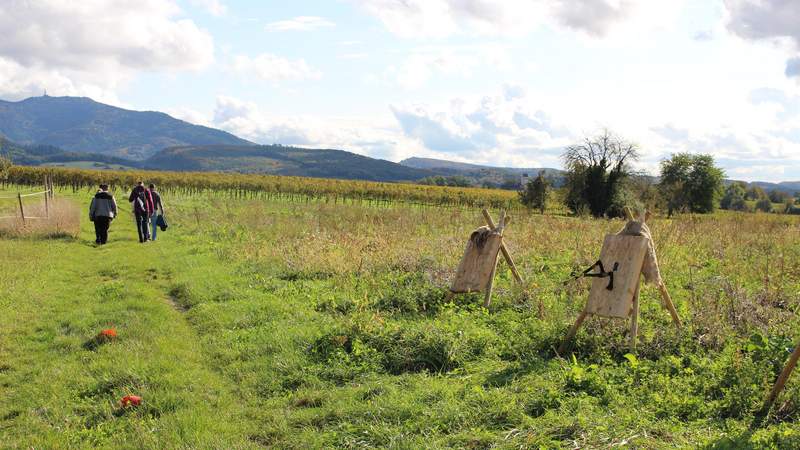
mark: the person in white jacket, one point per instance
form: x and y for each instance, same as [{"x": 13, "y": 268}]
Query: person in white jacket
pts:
[{"x": 102, "y": 211}]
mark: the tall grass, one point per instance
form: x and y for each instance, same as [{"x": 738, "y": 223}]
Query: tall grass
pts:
[{"x": 61, "y": 219}]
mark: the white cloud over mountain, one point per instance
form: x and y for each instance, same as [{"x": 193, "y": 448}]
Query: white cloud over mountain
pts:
[
  {"x": 365, "y": 135},
  {"x": 501, "y": 128},
  {"x": 90, "y": 47}
]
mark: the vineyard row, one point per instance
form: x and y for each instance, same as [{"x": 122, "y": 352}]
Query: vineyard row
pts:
[{"x": 267, "y": 187}]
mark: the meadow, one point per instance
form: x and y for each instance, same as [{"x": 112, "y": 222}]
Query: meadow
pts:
[{"x": 265, "y": 322}]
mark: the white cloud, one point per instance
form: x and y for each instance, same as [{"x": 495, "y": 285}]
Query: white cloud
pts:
[
  {"x": 373, "y": 136},
  {"x": 214, "y": 7},
  {"x": 354, "y": 56},
  {"x": 91, "y": 47},
  {"x": 775, "y": 20},
  {"x": 440, "y": 18},
  {"x": 189, "y": 115},
  {"x": 425, "y": 63},
  {"x": 300, "y": 23},
  {"x": 18, "y": 82},
  {"x": 274, "y": 68},
  {"x": 495, "y": 129}
]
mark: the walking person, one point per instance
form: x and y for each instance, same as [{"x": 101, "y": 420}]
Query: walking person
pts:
[
  {"x": 158, "y": 210},
  {"x": 142, "y": 205},
  {"x": 102, "y": 211}
]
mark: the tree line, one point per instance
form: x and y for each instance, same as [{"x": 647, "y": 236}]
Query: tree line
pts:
[{"x": 601, "y": 182}]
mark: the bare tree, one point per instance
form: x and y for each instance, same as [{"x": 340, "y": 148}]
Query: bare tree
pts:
[
  {"x": 605, "y": 150},
  {"x": 596, "y": 169}
]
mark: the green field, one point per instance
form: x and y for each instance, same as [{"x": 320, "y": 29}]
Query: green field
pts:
[{"x": 255, "y": 323}]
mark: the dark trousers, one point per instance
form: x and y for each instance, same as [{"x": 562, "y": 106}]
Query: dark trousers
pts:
[
  {"x": 101, "y": 225},
  {"x": 142, "y": 226}
]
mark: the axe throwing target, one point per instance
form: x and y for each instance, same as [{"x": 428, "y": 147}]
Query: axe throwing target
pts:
[
  {"x": 479, "y": 261},
  {"x": 622, "y": 258}
]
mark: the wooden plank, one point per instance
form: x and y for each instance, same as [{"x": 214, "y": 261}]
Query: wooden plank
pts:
[
  {"x": 479, "y": 260},
  {"x": 629, "y": 252},
  {"x": 487, "y": 298},
  {"x": 503, "y": 248},
  {"x": 782, "y": 379},
  {"x": 635, "y": 318},
  {"x": 572, "y": 332},
  {"x": 668, "y": 303}
]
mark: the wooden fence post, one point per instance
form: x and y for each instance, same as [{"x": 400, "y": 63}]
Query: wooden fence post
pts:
[
  {"x": 21, "y": 211},
  {"x": 46, "y": 197}
]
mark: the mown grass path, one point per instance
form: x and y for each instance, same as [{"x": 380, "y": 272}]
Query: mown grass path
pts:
[{"x": 57, "y": 392}]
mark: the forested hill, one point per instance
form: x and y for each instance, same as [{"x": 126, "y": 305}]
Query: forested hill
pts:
[
  {"x": 281, "y": 160},
  {"x": 484, "y": 175},
  {"x": 81, "y": 124}
]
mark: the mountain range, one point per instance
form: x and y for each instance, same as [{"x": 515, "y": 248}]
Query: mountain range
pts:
[
  {"x": 80, "y": 124},
  {"x": 78, "y": 131}
]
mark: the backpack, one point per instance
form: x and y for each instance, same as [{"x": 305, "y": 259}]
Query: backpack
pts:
[{"x": 140, "y": 202}]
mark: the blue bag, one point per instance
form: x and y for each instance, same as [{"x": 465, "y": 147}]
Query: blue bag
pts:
[{"x": 161, "y": 222}]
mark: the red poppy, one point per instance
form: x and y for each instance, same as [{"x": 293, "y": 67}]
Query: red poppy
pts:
[{"x": 133, "y": 400}]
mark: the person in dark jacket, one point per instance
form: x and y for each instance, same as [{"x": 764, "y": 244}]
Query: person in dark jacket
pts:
[
  {"x": 158, "y": 209},
  {"x": 102, "y": 211},
  {"x": 142, "y": 205}
]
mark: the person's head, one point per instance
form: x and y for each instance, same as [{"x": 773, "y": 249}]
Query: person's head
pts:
[
  {"x": 140, "y": 183},
  {"x": 152, "y": 187},
  {"x": 104, "y": 187}
]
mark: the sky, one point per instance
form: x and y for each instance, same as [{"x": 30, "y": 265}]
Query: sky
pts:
[{"x": 505, "y": 83}]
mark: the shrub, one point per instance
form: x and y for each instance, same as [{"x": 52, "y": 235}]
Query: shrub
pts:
[{"x": 764, "y": 205}]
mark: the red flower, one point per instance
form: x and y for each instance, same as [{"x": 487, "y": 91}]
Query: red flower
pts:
[
  {"x": 132, "y": 400},
  {"x": 109, "y": 333}
]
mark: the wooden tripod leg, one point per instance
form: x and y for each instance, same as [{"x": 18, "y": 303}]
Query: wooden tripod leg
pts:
[
  {"x": 635, "y": 319},
  {"x": 787, "y": 371},
  {"x": 503, "y": 248},
  {"x": 572, "y": 332},
  {"x": 487, "y": 299},
  {"x": 668, "y": 304}
]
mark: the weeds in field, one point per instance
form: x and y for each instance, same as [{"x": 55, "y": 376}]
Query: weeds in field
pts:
[
  {"x": 62, "y": 220},
  {"x": 330, "y": 328}
]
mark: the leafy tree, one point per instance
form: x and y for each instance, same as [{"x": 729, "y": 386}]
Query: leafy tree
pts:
[
  {"x": 764, "y": 205},
  {"x": 776, "y": 196},
  {"x": 534, "y": 194},
  {"x": 510, "y": 184},
  {"x": 691, "y": 182},
  {"x": 596, "y": 170},
  {"x": 675, "y": 174},
  {"x": 5, "y": 165},
  {"x": 734, "y": 197},
  {"x": 755, "y": 193},
  {"x": 438, "y": 180},
  {"x": 643, "y": 192}
]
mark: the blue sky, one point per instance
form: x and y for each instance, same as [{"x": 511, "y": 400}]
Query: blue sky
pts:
[{"x": 499, "y": 82}]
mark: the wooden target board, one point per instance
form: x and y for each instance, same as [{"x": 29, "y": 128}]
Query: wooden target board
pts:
[
  {"x": 627, "y": 252},
  {"x": 478, "y": 264}
]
